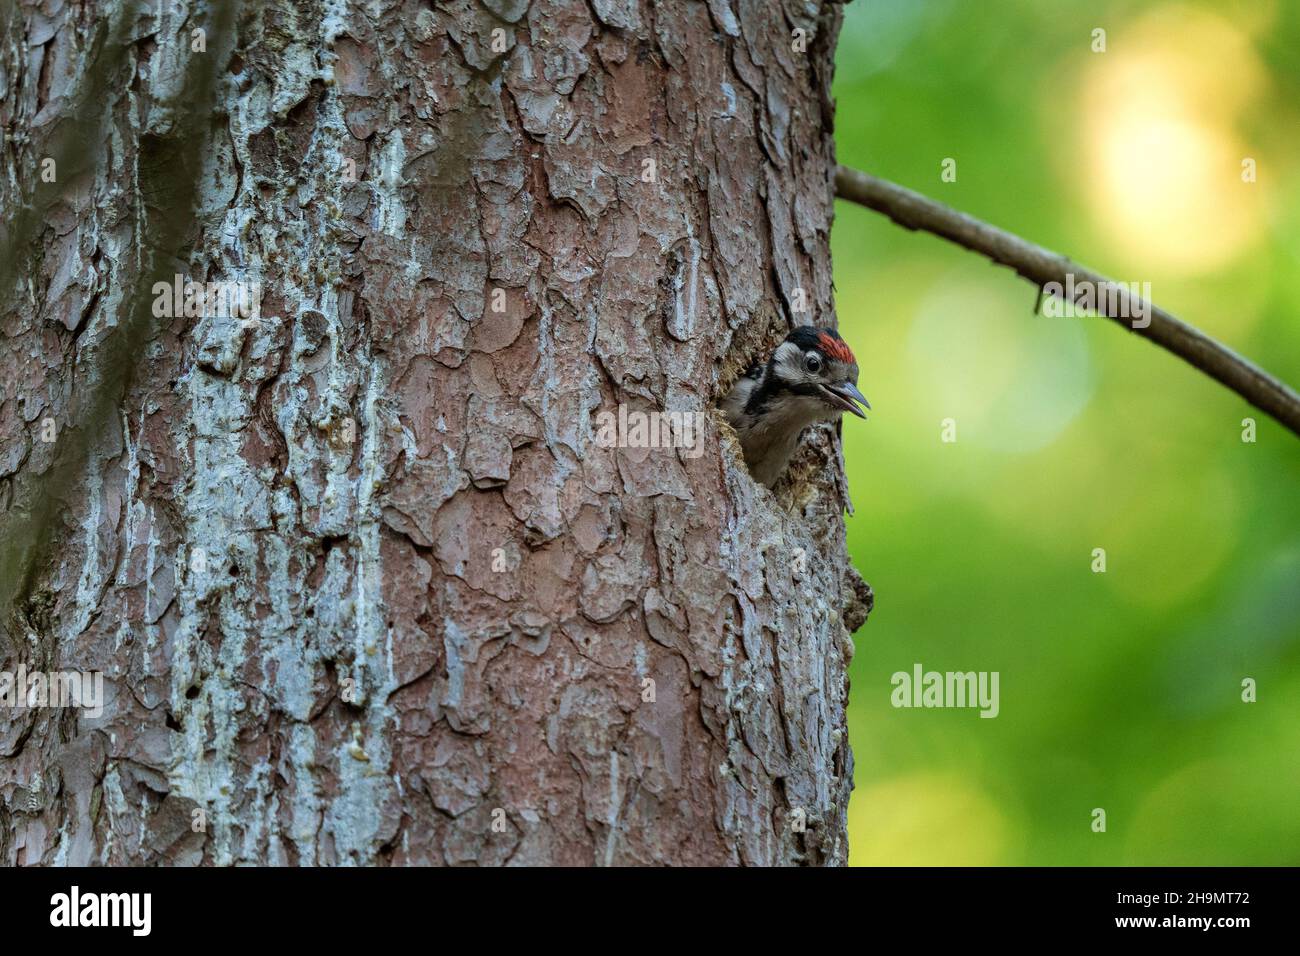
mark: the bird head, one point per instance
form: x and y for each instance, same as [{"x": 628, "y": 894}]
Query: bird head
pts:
[{"x": 816, "y": 369}]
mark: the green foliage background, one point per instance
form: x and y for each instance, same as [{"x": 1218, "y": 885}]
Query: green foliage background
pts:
[{"x": 1119, "y": 690}]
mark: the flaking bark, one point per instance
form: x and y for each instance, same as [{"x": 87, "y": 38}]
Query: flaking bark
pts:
[{"x": 426, "y": 605}]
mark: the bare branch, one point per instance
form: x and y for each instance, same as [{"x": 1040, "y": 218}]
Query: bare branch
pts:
[{"x": 1040, "y": 266}]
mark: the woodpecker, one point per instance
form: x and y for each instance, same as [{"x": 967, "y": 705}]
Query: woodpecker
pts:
[{"x": 811, "y": 377}]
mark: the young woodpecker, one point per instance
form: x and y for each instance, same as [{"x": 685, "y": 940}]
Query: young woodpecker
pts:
[{"x": 811, "y": 377}]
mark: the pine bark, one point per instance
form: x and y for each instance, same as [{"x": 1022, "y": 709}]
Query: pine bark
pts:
[{"x": 362, "y": 585}]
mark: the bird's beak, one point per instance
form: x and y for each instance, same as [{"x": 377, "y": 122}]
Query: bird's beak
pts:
[{"x": 844, "y": 395}]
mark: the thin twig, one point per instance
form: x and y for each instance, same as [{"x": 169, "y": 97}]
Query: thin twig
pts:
[{"x": 1040, "y": 266}]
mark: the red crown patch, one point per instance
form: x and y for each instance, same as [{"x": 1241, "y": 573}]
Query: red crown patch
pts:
[{"x": 835, "y": 348}]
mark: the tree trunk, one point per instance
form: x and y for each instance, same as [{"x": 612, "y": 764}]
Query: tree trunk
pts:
[{"x": 362, "y": 583}]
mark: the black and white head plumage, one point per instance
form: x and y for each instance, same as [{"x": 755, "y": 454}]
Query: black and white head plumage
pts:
[{"x": 811, "y": 377}]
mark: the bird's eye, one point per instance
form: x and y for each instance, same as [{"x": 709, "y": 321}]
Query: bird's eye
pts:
[{"x": 812, "y": 362}]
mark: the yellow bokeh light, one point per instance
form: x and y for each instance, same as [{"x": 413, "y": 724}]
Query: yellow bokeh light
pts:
[
  {"x": 926, "y": 819},
  {"x": 1159, "y": 116}
]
